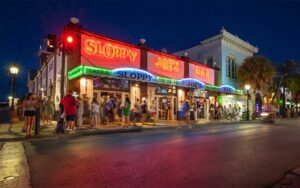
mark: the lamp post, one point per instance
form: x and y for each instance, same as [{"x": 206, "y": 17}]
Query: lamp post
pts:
[
  {"x": 13, "y": 71},
  {"x": 247, "y": 87}
]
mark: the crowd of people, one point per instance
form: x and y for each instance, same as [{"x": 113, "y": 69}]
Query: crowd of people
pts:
[
  {"x": 232, "y": 112},
  {"x": 74, "y": 110},
  {"x": 104, "y": 110}
]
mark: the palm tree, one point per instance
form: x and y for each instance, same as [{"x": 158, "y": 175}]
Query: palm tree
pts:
[{"x": 256, "y": 71}]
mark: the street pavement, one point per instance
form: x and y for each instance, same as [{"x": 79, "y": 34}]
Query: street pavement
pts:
[{"x": 240, "y": 155}]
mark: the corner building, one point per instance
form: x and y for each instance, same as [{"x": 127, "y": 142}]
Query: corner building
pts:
[{"x": 104, "y": 67}]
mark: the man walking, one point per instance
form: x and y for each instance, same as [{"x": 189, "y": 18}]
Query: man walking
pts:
[{"x": 70, "y": 110}]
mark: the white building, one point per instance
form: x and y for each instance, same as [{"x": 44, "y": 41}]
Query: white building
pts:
[
  {"x": 227, "y": 52},
  {"x": 224, "y": 50}
]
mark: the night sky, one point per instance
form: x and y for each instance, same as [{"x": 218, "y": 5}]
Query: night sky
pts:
[{"x": 272, "y": 26}]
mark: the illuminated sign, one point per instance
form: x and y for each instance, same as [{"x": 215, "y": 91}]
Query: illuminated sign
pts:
[
  {"x": 107, "y": 54},
  {"x": 227, "y": 89},
  {"x": 165, "y": 65},
  {"x": 141, "y": 75},
  {"x": 205, "y": 74},
  {"x": 191, "y": 83},
  {"x": 133, "y": 74}
]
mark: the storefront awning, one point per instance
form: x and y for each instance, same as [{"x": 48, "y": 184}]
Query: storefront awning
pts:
[{"x": 145, "y": 76}]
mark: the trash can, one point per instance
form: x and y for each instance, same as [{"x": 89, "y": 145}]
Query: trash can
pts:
[{"x": 5, "y": 115}]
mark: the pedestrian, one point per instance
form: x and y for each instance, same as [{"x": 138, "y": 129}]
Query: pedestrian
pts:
[
  {"x": 103, "y": 110},
  {"x": 289, "y": 112},
  {"x": 43, "y": 109},
  {"x": 211, "y": 112},
  {"x": 48, "y": 109},
  {"x": 186, "y": 115},
  {"x": 144, "y": 111},
  {"x": 126, "y": 111},
  {"x": 220, "y": 112},
  {"x": 80, "y": 112},
  {"x": 137, "y": 111},
  {"x": 94, "y": 113},
  {"x": 118, "y": 111},
  {"x": 70, "y": 110},
  {"x": 29, "y": 105},
  {"x": 153, "y": 111},
  {"x": 230, "y": 112}
]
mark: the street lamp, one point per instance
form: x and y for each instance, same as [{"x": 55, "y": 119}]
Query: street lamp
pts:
[
  {"x": 247, "y": 87},
  {"x": 13, "y": 71}
]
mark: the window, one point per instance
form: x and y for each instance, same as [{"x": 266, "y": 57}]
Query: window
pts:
[
  {"x": 231, "y": 67},
  {"x": 209, "y": 61}
]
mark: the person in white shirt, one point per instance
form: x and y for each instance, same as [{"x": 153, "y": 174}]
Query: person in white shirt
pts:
[{"x": 94, "y": 113}]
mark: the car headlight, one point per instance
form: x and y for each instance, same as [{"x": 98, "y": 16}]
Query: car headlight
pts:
[{"x": 264, "y": 114}]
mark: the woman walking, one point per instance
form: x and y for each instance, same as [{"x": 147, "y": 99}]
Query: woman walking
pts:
[
  {"x": 94, "y": 113},
  {"x": 29, "y": 106},
  {"x": 126, "y": 111}
]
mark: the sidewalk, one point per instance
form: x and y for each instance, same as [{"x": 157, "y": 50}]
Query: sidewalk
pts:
[
  {"x": 48, "y": 130},
  {"x": 14, "y": 171},
  {"x": 290, "y": 180}
]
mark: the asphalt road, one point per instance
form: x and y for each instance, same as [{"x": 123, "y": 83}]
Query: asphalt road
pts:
[{"x": 248, "y": 155}]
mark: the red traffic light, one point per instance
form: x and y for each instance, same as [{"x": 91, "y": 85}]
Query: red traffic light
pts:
[{"x": 70, "y": 39}]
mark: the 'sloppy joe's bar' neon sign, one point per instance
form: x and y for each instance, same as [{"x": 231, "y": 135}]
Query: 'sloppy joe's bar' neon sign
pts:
[
  {"x": 167, "y": 64},
  {"x": 105, "y": 53},
  {"x": 108, "y": 50}
]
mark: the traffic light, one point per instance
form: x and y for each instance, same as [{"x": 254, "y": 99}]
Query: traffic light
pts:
[
  {"x": 68, "y": 43},
  {"x": 51, "y": 43}
]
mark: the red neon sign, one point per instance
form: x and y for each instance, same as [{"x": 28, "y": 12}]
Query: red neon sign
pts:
[
  {"x": 107, "y": 54},
  {"x": 204, "y": 74},
  {"x": 165, "y": 66}
]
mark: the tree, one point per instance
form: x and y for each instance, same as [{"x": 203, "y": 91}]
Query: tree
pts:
[
  {"x": 283, "y": 71},
  {"x": 256, "y": 71},
  {"x": 293, "y": 84}
]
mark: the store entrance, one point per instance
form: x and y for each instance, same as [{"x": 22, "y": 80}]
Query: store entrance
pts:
[
  {"x": 167, "y": 108},
  {"x": 164, "y": 108}
]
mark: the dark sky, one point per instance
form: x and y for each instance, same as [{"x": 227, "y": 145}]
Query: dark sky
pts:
[{"x": 273, "y": 26}]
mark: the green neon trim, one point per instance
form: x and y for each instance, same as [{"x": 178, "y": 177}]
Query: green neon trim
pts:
[
  {"x": 95, "y": 71},
  {"x": 239, "y": 92},
  {"x": 164, "y": 80},
  {"x": 212, "y": 87},
  {"x": 76, "y": 72}
]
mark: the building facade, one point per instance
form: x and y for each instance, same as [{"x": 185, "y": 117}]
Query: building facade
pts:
[
  {"x": 227, "y": 52},
  {"x": 101, "y": 67}
]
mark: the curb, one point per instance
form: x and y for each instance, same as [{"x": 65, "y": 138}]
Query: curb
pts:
[
  {"x": 291, "y": 179},
  {"x": 77, "y": 134},
  {"x": 132, "y": 129}
]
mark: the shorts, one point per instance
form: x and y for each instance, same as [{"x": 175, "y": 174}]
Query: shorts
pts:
[
  {"x": 144, "y": 115},
  {"x": 137, "y": 115},
  {"x": 30, "y": 113},
  {"x": 70, "y": 117}
]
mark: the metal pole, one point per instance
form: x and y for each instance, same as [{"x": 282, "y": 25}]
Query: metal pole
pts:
[
  {"x": 37, "y": 121},
  {"x": 247, "y": 106},
  {"x": 62, "y": 84},
  {"x": 13, "y": 93}
]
